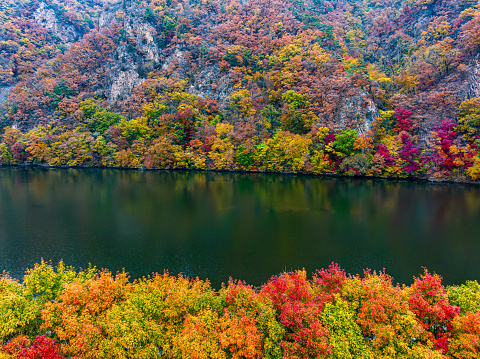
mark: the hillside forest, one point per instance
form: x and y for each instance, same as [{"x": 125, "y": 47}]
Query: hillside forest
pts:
[{"x": 378, "y": 88}]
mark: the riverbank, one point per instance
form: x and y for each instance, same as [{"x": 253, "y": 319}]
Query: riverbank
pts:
[
  {"x": 91, "y": 313},
  {"x": 326, "y": 175},
  {"x": 322, "y": 151}
]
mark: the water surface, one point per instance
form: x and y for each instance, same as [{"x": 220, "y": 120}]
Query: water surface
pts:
[{"x": 245, "y": 226}]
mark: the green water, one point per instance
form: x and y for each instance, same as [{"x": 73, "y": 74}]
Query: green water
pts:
[{"x": 245, "y": 226}]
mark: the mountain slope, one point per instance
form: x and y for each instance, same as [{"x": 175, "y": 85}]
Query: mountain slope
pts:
[{"x": 212, "y": 82}]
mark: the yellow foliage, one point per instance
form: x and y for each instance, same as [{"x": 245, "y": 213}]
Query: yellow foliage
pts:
[
  {"x": 408, "y": 82},
  {"x": 241, "y": 101},
  {"x": 222, "y": 154},
  {"x": 152, "y": 111},
  {"x": 320, "y": 55},
  {"x": 469, "y": 13},
  {"x": 438, "y": 33},
  {"x": 474, "y": 171},
  {"x": 209, "y": 336},
  {"x": 286, "y": 152},
  {"x": 197, "y": 155},
  {"x": 322, "y": 133},
  {"x": 321, "y": 164},
  {"x": 224, "y": 129},
  {"x": 379, "y": 76}
]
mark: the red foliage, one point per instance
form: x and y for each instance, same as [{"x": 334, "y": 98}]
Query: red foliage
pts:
[
  {"x": 410, "y": 154},
  {"x": 404, "y": 122},
  {"x": 299, "y": 310},
  {"x": 446, "y": 135},
  {"x": 383, "y": 151},
  {"x": 466, "y": 336},
  {"x": 18, "y": 152},
  {"x": 330, "y": 281},
  {"x": 42, "y": 348},
  {"x": 430, "y": 304}
]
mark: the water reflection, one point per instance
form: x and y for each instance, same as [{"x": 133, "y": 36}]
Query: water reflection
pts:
[{"x": 248, "y": 226}]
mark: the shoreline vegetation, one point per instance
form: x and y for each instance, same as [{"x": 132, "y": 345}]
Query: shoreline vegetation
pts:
[
  {"x": 61, "y": 312},
  {"x": 239, "y": 171},
  {"x": 131, "y": 144}
]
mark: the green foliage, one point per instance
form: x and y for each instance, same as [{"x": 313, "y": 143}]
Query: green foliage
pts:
[
  {"x": 5, "y": 155},
  {"x": 465, "y": 296},
  {"x": 61, "y": 91},
  {"x": 295, "y": 100},
  {"x": 97, "y": 118},
  {"x": 244, "y": 157},
  {"x": 343, "y": 145},
  {"x": 96, "y": 315},
  {"x": 152, "y": 316},
  {"x": 299, "y": 68},
  {"x": 357, "y": 164},
  {"x": 272, "y": 115},
  {"x": 321, "y": 163},
  {"x": 469, "y": 119},
  {"x": 19, "y": 312},
  {"x": 46, "y": 282},
  {"x": 384, "y": 316},
  {"x": 134, "y": 129},
  {"x": 345, "y": 336},
  {"x": 297, "y": 119},
  {"x": 149, "y": 16},
  {"x": 284, "y": 152}
]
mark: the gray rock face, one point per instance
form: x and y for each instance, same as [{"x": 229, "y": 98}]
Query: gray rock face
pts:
[
  {"x": 474, "y": 78},
  {"x": 144, "y": 54},
  {"x": 136, "y": 27},
  {"x": 4, "y": 92},
  {"x": 209, "y": 82},
  {"x": 123, "y": 83},
  {"x": 46, "y": 17},
  {"x": 360, "y": 107}
]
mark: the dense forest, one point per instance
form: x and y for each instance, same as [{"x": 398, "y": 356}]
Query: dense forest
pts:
[
  {"x": 368, "y": 87},
  {"x": 61, "y": 313}
]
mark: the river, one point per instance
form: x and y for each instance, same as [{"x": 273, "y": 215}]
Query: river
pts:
[{"x": 244, "y": 226}]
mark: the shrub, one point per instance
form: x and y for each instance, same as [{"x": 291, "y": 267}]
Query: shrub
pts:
[
  {"x": 156, "y": 309},
  {"x": 345, "y": 339},
  {"x": 45, "y": 282},
  {"x": 465, "y": 342},
  {"x": 243, "y": 299},
  {"x": 429, "y": 301},
  {"x": 207, "y": 335},
  {"x": 19, "y": 313},
  {"x": 383, "y": 315},
  {"x": 357, "y": 164},
  {"x": 299, "y": 310},
  {"x": 78, "y": 314},
  {"x": 466, "y": 296},
  {"x": 97, "y": 315},
  {"x": 22, "y": 347}
]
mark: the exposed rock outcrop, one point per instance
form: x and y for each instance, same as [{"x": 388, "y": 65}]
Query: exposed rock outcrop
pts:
[
  {"x": 474, "y": 78},
  {"x": 137, "y": 58},
  {"x": 45, "y": 16},
  {"x": 209, "y": 82},
  {"x": 4, "y": 92},
  {"x": 123, "y": 83},
  {"x": 360, "y": 108}
]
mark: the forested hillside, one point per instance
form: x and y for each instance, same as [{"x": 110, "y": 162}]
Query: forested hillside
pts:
[{"x": 380, "y": 88}]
